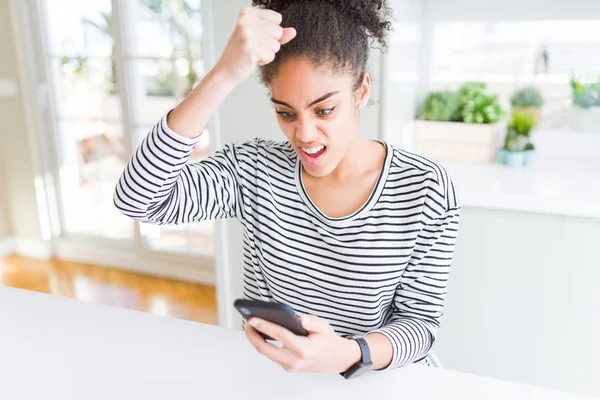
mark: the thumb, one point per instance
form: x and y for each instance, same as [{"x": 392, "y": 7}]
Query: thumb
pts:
[
  {"x": 315, "y": 324},
  {"x": 288, "y": 34}
]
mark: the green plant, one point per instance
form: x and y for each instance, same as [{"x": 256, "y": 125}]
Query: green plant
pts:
[
  {"x": 523, "y": 123},
  {"x": 518, "y": 132},
  {"x": 440, "y": 106},
  {"x": 585, "y": 95},
  {"x": 511, "y": 141},
  {"x": 528, "y": 96},
  {"x": 471, "y": 104},
  {"x": 78, "y": 63},
  {"x": 477, "y": 106}
]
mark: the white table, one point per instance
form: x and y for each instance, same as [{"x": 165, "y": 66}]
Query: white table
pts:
[{"x": 59, "y": 348}]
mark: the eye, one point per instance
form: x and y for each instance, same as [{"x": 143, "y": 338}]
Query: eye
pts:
[
  {"x": 287, "y": 115},
  {"x": 326, "y": 112}
]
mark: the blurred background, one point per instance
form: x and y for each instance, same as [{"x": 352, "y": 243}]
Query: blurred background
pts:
[{"x": 504, "y": 93}]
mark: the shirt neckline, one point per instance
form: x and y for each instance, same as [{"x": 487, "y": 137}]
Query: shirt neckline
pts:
[{"x": 362, "y": 210}]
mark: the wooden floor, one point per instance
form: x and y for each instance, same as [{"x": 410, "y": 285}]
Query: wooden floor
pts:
[{"x": 112, "y": 287}]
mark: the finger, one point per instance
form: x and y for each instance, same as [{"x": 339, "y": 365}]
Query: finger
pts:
[
  {"x": 270, "y": 15},
  {"x": 280, "y": 355},
  {"x": 272, "y": 30},
  {"x": 288, "y": 35},
  {"x": 315, "y": 324},
  {"x": 277, "y": 332},
  {"x": 265, "y": 56},
  {"x": 271, "y": 44}
]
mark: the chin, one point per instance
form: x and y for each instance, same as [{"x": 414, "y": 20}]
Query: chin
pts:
[{"x": 318, "y": 171}]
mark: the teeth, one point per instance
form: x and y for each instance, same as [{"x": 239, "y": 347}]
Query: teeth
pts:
[{"x": 313, "y": 150}]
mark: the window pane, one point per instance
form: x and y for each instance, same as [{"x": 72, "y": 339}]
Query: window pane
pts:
[
  {"x": 85, "y": 88},
  {"x": 517, "y": 47},
  {"x": 168, "y": 29},
  {"x": 162, "y": 87},
  {"x": 79, "y": 28},
  {"x": 193, "y": 238},
  {"x": 508, "y": 55},
  {"x": 92, "y": 159}
]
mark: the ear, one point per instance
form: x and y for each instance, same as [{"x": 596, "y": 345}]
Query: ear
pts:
[{"x": 363, "y": 94}]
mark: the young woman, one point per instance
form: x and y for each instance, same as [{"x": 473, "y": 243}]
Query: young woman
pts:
[{"x": 355, "y": 235}]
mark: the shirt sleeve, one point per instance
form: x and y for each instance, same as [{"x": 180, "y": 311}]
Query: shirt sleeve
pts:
[
  {"x": 418, "y": 303},
  {"x": 158, "y": 186}
]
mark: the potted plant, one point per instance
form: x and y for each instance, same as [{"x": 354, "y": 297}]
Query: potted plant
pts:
[
  {"x": 529, "y": 100},
  {"x": 459, "y": 125},
  {"x": 518, "y": 150},
  {"x": 585, "y": 113},
  {"x": 529, "y": 151},
  {"x": 511, "y": 154}
]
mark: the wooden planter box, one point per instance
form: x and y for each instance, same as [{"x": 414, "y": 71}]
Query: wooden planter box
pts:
[{"x": 456, "y": 141}]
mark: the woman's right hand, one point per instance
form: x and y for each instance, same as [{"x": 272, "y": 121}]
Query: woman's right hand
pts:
[{"x": 256, "y": 39}]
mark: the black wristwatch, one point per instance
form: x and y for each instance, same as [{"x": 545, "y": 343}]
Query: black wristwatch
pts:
[{"x": 364, "y": 364}]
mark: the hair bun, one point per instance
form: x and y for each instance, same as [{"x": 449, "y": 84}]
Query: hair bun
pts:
[{"x": 371, "y": 14}]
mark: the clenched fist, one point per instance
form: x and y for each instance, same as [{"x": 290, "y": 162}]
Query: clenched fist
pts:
[{"x": 256, "y": 39}]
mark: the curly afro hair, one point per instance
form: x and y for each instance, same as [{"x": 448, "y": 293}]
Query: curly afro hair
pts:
[{"x": 336, "y": 33}]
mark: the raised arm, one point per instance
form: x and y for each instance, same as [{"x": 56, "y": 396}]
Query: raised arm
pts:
[{"x": 157, "y": 185}]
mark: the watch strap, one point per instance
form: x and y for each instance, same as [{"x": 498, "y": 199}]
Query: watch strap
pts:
[
  {"x": 365, "y": 362},
  {"x": 364, "y": 350}
]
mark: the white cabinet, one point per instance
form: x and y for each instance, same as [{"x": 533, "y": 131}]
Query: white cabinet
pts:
[{"x": 524, "y": 300}]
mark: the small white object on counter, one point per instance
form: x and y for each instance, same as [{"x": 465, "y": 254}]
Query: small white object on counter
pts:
[{"x": 58, "y": 348}]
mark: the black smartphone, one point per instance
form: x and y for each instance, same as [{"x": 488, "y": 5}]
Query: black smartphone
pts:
[{"x": 277, "y": 313}]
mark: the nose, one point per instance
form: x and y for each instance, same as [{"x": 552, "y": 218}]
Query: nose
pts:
[{"x": 306, "y": 131}]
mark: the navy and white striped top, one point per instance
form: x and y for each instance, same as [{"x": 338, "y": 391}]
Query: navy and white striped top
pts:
[{"x": 382, "y": 269}]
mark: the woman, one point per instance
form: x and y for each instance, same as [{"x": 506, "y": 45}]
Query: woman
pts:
[{"x": 356, "y": 235}]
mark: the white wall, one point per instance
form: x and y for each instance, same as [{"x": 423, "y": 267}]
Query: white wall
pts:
[
  {"x": 16, "y": 159},
  {"x": 495, "y": 10},
  {"x": 246, "y": 113},
  {"x": 523, "y": 300}
]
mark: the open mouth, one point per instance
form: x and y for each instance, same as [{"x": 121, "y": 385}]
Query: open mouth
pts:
[
  {"x": 313, "y": 155},
  {"x": 314, "y": 152}
]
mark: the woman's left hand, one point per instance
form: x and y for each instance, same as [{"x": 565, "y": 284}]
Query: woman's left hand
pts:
[{"x": 321, "y": 351}]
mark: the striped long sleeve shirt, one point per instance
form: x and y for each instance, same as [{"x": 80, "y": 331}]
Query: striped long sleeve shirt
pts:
[{"x": 382, "y": 269}]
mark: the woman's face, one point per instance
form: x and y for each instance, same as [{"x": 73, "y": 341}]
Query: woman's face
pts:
[{"x": 317, "y": 111}]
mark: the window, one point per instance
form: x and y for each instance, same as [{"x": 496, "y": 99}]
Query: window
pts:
[
  {"x": 96, "y": 123},
  {"x": 509, "y": 54}
]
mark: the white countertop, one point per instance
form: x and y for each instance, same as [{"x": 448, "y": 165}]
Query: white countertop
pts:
[
  {"x": 58, "y": 348},
  {"x": 548, "y": 187}
]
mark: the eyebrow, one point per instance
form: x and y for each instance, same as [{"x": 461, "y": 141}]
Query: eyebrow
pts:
[{"x": 320, "y": 99}]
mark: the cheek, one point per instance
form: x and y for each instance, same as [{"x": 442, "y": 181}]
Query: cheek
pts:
[
  {"x": 336, "y": 129},
  {"x": 287, "y": 129}
]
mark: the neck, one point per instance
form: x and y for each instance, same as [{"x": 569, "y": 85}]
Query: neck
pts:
[{"x": 359, "y": 158}]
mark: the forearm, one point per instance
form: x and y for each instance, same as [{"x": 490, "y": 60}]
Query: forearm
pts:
[
  {"x": 381, "y": 349},
  {"x": 190, "y": 117},
  {"x": 157, "y": 185}
]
